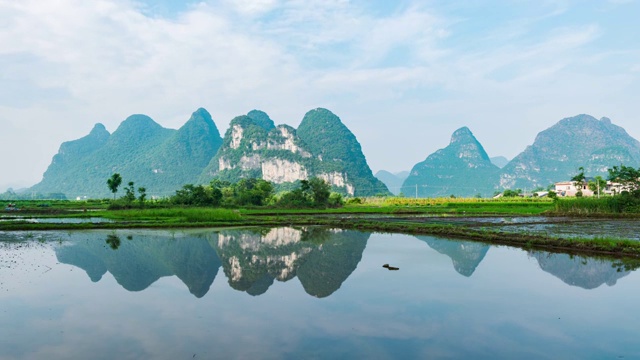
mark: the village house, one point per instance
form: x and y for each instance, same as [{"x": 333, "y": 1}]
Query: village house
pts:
[{"x": 569, "y": 188}]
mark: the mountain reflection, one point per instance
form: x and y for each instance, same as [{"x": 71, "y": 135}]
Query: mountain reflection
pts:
[
  {"x": 587, "y": 273},
  {"x": 321, "y": 259},
  {"x": 252, "y": 260},
  {"x": 465, "y": 255},
  {"x": 143, "y": 260}
]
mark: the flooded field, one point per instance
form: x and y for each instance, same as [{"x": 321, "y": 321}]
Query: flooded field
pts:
[
  {"x": 51, "y": 220},
  {"x": 305, "y": 293},
  {"x": 566, "y": 227}
]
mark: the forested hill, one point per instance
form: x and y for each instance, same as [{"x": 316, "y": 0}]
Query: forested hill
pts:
[
  {"x": 463, "y": 169},
  {"x": 163, "y": 160},
  {"x": 142, "y": 151},
  {"x": 558, "y": 152},
  {"x": 322, "y": 146}
]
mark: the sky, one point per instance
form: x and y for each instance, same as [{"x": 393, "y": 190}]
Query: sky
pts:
[{"x": 402, "y": 75}]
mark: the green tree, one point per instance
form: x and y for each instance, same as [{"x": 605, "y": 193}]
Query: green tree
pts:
[
  {"x": 253, "y": 192},
  {"x": 113, "y": 183},
  {"x": 295, "y": 198},
  {"x": 597, "y": 185},
  {"x": 130, "y": 192},
  {"x": 320, "y": 191},
  {"x": 223, "y": 192},
  {"x": 314, "y": 192},
  {"x": 142, "y": 191},
  {"x": 197, "y": 195},
  {"x": 627, "y": 176},
  {"x": 579, "y": 181},
  {"x": 336, "y": 200},
  {"x": 512, "y": 193}
]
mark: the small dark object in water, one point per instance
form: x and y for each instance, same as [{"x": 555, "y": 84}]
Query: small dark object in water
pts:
[{"x": 390, "y": 267}]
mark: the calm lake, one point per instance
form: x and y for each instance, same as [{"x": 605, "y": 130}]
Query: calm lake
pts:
[{"x": 292, "y": 293}]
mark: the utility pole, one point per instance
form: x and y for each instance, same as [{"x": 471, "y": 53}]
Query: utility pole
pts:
[
  {"x": 416, "y": 191},
  {"x": 598, "y": 182}
]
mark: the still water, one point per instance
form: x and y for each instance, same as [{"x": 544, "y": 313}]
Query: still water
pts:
[{"x": 305, "y": 293}]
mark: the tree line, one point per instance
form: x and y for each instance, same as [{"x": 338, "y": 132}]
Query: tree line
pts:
[{"x": 312, "y": 193}]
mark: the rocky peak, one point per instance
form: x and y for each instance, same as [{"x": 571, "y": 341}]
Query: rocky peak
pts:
[
  {"x": 466, "y": 146},
  {"x": 99, "y": 131},
  {"x": 463, "y": 168},
  {"x": 201, "y": 122},
  {"x": 137, "y": 123},
  {"x": 261, "y": 119},
  {"x": 462, "y": 135},
  {"x": 83, "y": 146},
  {"x": 328, "y": 139}
]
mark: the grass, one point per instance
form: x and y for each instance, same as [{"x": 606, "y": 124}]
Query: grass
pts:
[
  {"x": 511, "y": 206},
  {"x": 191, "y": 215},
  {"x": 390, "y": 220},
  {"x": 404, "y": 201},
  {"x": 609, "y": 205},
  {"x": 453, "y": 206}
]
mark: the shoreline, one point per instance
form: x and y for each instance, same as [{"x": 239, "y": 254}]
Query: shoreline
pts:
[{"x": 610, "y": 247}]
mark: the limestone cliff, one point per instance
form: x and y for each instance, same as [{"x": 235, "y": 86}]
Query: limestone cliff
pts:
[{"x": 253, "y": 147}]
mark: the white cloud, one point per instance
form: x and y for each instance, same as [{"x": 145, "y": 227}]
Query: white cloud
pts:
[
  {"x": 253, "y": 7},
  {"x": 79, "y": 62}
]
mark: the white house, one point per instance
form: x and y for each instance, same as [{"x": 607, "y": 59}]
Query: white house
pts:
[{"x": 568, "y": 188}]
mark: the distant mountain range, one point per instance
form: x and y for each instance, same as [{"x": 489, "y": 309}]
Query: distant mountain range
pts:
[
  {"x": 464, "y": 169},
  {"x": 142, "y": 151},
  {"x": 499, "y": 161},
  {"x": 393, "y": 181},
  {"x": 163, "y": 160},
  {"x": 322, "y": 146}
]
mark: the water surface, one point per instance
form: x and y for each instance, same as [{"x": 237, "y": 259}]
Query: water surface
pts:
[{"x": 305, "y": 293}]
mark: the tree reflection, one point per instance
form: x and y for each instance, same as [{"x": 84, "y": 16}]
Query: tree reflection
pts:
[{"x": 113, "y": 241}]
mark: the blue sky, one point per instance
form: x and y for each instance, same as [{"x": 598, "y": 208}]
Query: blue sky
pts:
[{"x": 401, "y": 75}]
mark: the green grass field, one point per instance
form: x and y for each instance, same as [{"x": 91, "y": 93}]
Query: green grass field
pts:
[{"x": 396, "y": 215}]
